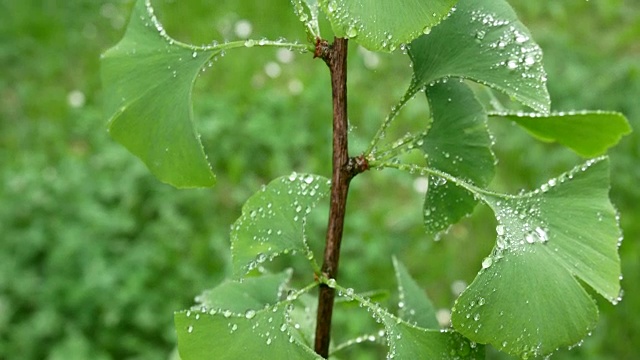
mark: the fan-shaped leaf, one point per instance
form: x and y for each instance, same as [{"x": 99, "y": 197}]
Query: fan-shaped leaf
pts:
[
  {"x": 414, "y": 306},
  {"x": 483, "y": 41},
  {"x": 307, "y": 12},
  {"x": 407, "y": 341},
  {"x": 148, "y": 79},
  {"x": 588, "y": 133},
  {"x": 384, "y": 25},
  {"x": 458, "y": 143},
  {"x": 273, "y": 220},
  {"x": 253, "y": 293},
  {"x": 240, "y": 318},
  {"x": 263, "y": 334},
  {"x": 528, "y": 299}
]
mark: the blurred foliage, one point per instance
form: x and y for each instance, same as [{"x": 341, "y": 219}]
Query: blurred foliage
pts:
[{"x": 95, "y": 254}]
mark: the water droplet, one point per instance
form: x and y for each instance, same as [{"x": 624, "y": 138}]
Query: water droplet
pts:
[
  {"x": 487, "y": 262},
  {"x": 249, "y": 43},
  {"x": 537, "y": 235},
  {"x": 190, "y": 329},
  {"x": 331, "y": 283},
  {"x": 542, "y": 234},
  {"x": 250, "y": 314},
  {"x": 333, "y": 6},
  {"x": 426, "y": 30},
  {"x": 530, "y": 238},
  {"x": 521, "y": 38},
  {"x": 529, "y": 60},
  {"x": 352, "y": 32}
]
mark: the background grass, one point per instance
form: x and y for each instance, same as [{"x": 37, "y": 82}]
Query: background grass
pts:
[{"x": 95, "y": 254}]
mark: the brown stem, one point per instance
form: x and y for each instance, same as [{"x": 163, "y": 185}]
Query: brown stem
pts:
[{"x": 336, "y": 58}]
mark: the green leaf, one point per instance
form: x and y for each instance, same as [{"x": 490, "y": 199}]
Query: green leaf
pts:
[
  {"x": 588, "y": 133},
  {"x": 458, "y": 143},
  {"x": 414, "y": 306},
  {"x": 528, "y": 298},
  {"x": 273, "y": 220},
  {"x": 251, "y": 293},
  {"x": 240, "y": 318},
  {"x": 307, "y": 12},
  {"x": 304, "y": 316},
  {"x": 148, "y": 79},
  {"x": 384, "y": 25},
  {"x": 263, "y": 334},
  {"x": 483, "y": 41},
  {"x": 407, "y": 341}
]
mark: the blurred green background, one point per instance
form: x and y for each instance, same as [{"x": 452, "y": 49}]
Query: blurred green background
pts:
[{"x": 95, "y": 254}]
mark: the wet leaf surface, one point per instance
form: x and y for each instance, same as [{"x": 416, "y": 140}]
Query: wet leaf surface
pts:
[
  {"x": 484, "y": 41},
  {"x": 273, "y": 220},
  {"x": 529, "y": 299}
]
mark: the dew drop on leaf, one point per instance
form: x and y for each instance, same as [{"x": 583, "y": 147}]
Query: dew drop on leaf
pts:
[
  {"x": 487, "y": 262},
  {"x": 332, "y": 6},
  {"x": 250, "y": 314},
  {"x": 352, "y": 32}
]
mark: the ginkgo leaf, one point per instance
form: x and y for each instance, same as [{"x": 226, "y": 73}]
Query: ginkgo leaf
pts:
[
  {"x": 252, "y": 293},
  {"x": 307, "y": 12},
  {"x": 458, "y": 143},
  {"x": 483, "y": 41},
  {"x": 408, "y": 341},
  {"x": 588, "y": 133},
  {"x": 263, "y": 334},
  {"x": 273, "y": 220},
  {"x": 148, "y": 78},
  {"x": 384, "y": 25},
  {"x": 413, "y": 305},
  {"x": 529, "y": 298}
]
